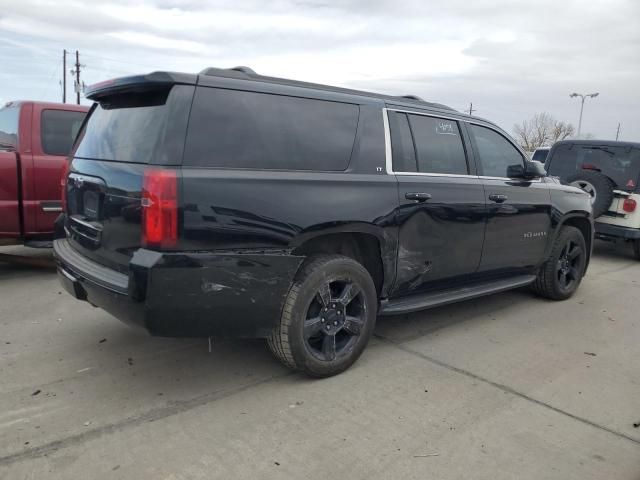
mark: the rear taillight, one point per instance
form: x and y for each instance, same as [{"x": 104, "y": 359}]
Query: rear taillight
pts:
[
  {"x": 63, "y": 185},
  {"x": 629, "y": 205},
  {"x": 159, "y": 208}
]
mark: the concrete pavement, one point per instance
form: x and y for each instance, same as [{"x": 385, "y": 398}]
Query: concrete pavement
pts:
[{"x": 508, "y": 386}]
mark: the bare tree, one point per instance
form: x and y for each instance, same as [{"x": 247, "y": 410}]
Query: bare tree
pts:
[{"x": 541, "y": 130}]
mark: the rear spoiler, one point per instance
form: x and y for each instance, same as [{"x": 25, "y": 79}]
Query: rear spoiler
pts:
[{"x": 138, "y": 82}]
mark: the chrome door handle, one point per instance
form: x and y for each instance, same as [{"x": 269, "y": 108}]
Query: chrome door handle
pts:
[
  {"x": 494, "y": 197},
  {"x": 417, "y": 196}
]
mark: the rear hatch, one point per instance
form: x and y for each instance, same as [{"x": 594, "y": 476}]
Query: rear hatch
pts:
[{"x": 137, "y": 125}]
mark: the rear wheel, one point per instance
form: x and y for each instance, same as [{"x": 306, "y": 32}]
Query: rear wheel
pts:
[
  {"x": 636, "y": 249},
  {"x": 561, "y": 275},
  {"x": 328, "y": 316}
]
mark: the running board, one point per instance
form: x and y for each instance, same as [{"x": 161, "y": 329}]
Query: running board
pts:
[{"x": 429, "y": 300}]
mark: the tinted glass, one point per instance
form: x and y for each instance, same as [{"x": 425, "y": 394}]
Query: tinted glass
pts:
[
  {"x": 495, "y": 151},
  {"x": 540, "y": 155},
  {"x": 237, "y": 129},
  {"x": 59, "y": 129},
  {"x": 139, "y": 127},
  {"x": 9, "y": 125},
  {"x": 438, "y": 145},
  {"x": 620, "y": 164},
  {"x": 404, "y": 156}
]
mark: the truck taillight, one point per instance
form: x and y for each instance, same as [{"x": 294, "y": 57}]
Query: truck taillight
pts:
[
  {"x": 159, "y": 208},
  {"x": 63, "y": 185},
  {"x": 629, "y": 205}
]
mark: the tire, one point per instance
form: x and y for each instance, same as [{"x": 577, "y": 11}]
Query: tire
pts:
[
  {"x": 599, "y": 186},
  {"x": 636, "y": 249},
  {"x": 560, "y": 276},
  {"x": 314, "y": 337}
]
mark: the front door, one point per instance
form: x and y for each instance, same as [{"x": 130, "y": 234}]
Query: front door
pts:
[
  {"x": 442, "y": 206},
  {"x": 519, "y": 211}
]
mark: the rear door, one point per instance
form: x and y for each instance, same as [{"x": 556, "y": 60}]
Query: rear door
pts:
[
  {"x": 519, "y": 211},
  {"x": 125, "y": 134},
  {"x": 442, "y": 202},
  {"x": 9, "y": 191}
]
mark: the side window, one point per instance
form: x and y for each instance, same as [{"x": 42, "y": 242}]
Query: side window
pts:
[
  {"x": 404, "y": 155},
  {"x": 58, "y": 129},
  {"x": 9, "y": 126},
  {"x": 496, "y": 153},
  {"x": 238, "y": 129},
  {"x": 438, "y": 144}
]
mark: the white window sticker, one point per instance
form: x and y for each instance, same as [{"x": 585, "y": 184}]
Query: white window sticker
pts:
[{"x": 445, "y": 128}]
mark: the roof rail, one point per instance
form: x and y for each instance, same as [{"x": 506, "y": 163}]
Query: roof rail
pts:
[
  {"x": 243, "y": 69},
  {"x": 413, "y": 97}
]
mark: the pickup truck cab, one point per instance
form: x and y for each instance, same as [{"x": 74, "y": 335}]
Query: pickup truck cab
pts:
[{"x": 35, "y": 139}]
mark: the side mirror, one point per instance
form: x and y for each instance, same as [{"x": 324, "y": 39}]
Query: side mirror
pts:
[{"x": 531, "y": 169}]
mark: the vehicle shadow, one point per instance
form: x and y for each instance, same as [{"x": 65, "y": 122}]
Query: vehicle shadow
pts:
[{"x": 613, "y": 250}]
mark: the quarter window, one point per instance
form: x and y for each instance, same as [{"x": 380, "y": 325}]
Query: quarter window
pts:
[
  {"x": 239, "y": 129},
  {"x": 496, "y": 153}
]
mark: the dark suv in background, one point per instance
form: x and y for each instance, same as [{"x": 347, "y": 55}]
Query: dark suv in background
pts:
[{"x": 229, "y": 203}]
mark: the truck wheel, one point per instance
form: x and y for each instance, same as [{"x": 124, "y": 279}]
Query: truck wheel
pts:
[
  {"x": 328, "y": 316},
  {"x": 636, "y": 249},
  {"x": 560, "y": 276},
  {"x": 598, "y": 186}
]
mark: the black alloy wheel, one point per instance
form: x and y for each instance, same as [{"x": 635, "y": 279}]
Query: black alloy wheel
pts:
[
  {"x": 570, "y": 265},
  {"x": 334, "y": 319}
]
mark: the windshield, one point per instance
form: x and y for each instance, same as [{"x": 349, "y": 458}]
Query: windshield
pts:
[
  {"x": 9, "y": 125},
  {"x": 620, "y": 164}
]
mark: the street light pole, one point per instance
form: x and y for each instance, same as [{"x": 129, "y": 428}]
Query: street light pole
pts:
[{"x": 592, "y": 95}]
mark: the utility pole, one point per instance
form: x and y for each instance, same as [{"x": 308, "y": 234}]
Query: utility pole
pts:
[
  {"x": 618, "y": 132},
  {"x": 64, "y": 76},
  {"x": 471, "y": 109},
  {"x": 77, "y": 77}
]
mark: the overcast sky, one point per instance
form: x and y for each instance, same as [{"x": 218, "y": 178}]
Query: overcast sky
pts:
[{"x": 511, "y": 59}]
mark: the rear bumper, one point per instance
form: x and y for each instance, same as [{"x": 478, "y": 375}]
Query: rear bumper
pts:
[
  {"x": 608, "y": 231},
  {"x": 185, "y": 294}
]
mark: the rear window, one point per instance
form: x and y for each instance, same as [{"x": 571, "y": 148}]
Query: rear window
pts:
[
  {"x": 620, "y": 164},
  {"x": 237, "y": 129},
  {"x": 9, "y": 125},
  {"x": 58, "y": 129},
  {"x": 146, "y": 126}
]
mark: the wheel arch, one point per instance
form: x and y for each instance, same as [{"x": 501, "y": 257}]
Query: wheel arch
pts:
[
  {"x": 581, "y": 221},
  {"x": 368, "y": 244}
]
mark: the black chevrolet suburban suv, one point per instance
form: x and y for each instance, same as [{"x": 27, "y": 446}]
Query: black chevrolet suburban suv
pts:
[{"x": 233, "y": 204}]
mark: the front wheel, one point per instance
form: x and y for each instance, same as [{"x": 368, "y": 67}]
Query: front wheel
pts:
[
  {"x": 328, "y": 316},
  {"x": 561, "y": 275}
]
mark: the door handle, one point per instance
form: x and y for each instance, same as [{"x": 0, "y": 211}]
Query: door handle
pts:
[
  {"x": 495, "y": 197},
  {"x": 417, "y": 196}
]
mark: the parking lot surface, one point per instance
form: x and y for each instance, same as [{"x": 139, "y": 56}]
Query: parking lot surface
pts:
[{"x": 508, "y": 386}]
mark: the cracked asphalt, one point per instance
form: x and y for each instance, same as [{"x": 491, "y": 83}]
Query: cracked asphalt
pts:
[{"x": 503, "y": 387}]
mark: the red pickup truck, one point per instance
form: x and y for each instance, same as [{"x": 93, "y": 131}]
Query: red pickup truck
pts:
[{"x": 35, "y": 139}]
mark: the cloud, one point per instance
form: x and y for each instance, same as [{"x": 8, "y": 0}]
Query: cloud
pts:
[{"x": 511, "y": 59}]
